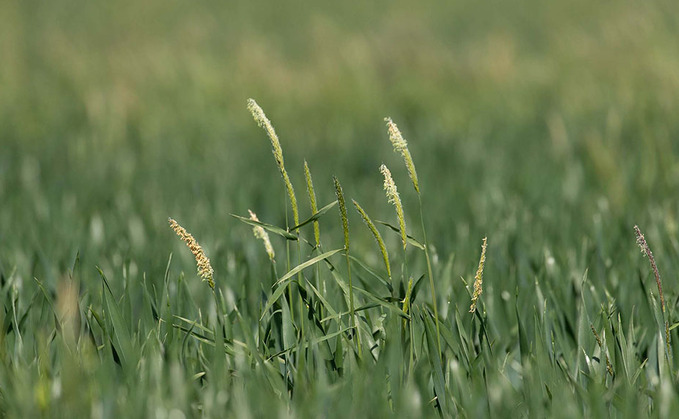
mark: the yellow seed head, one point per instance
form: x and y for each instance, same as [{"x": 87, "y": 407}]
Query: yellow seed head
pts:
[
  {"x": 202, "y": 262},
  {"x": 401, "y": 146},
  {"x": 261, "y": 234},
  {"x": 395, "y": 199},
  {"x": 478, "y": 278},
  {"x": 261, "y": 119}
]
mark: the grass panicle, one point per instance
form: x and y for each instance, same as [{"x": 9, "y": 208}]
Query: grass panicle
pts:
[
  {"x": 312, "y": 202},
  {"x": 401, "y": 146},
  {"x": 376, "y": 234},
  {"x": 261, "y": 119},
  {"x": 205, "y": 270},
  {"x": 645, "y": 249},
  {"x": 343, "y": 211},
  {"x": 478, "y": 278},
  {"x": 395, "y": 199},
  {"x": 261, "y": 234}
]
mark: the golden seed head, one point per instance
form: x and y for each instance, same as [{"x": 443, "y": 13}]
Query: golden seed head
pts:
[
  {"x": 205, "y": 270},
  {"x": 401, "y": 146},
  {"x": 395, "y": 199},
  {"x": 261, "y": 234},
  {"x": 478, "y": 278}
]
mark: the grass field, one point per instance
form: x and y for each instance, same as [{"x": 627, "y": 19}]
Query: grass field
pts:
[{"x": 548, "y": 127}]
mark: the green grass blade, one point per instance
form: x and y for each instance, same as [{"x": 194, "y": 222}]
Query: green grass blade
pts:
[
  {"x": 316, "y": 216},
  {"x": 435, "y": 362},
  {"x": 372, "y": 273},
  {"x": 281, "y": 284},
  {"x": 272, "y": 228},
  {"x": 411, "y": 240},
  {"x": 120, "y": 335},
  {"x": 299, "y": 268},
  {"x": 381, "y": 301}
]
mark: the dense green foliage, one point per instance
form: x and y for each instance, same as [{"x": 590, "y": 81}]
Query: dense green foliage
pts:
[{"x": 549, "y": 127}]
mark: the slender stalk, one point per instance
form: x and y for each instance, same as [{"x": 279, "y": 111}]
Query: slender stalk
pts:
[
  {"x": 264, "y": 122},
  {"x": 345, "y": 229},
  {"x": 317, "y": 231},
  {"x": 376, "y": 234},
  {"x": 408, "y": 324},
  {"x": 288, "y": 266},
  {"x": 401, "y": 146},
  {"x": 641, "y": 241},
  {"x": 431, "y": 275}
]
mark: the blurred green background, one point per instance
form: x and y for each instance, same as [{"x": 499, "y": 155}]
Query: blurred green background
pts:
[{"x": 539, "y": 124}]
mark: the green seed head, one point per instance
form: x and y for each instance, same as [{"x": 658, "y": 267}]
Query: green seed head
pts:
[{"x": 343, "y": 211}]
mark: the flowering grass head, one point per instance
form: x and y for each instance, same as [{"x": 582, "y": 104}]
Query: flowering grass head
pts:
[
  {"x": 395, "y": 199},
  {"x": 205, "y": 270}
]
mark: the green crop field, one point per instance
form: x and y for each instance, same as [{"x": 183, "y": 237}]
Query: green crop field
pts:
[{"x": 549, "y": 128}]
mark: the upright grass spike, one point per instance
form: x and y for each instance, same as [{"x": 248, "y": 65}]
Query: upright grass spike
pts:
[
  {"x": 378, "y": 237},
  {"x": 312, "y": 201},
  {"x": 401, "y": 146},
  {"x": 205, "y": 270},
  {"x": 261, "y": 234},
  {"x": 317, "y": 231},
  {"x": 395, "y": 199},
  {"x": 645, "y": 249},
  {"x": 345, "y": 229},
  {"x": 261, "y": 119},
  {"x": 343, "y": 211},
  {"x": 478, "y": 278}
]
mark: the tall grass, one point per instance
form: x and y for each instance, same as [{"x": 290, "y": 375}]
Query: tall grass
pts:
[
  {"x": 367, "y": 310},
  {"x": 352, "y": 328},
  {"x": 337, "y": 334}
]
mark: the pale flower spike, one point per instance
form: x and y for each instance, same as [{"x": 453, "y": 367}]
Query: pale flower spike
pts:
[
  {"x": 263, "y": 121},
  {"x": 401, "y": 146},
  {"x": 261, "y": 234},
  {"x": 394, "y": 198}
]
